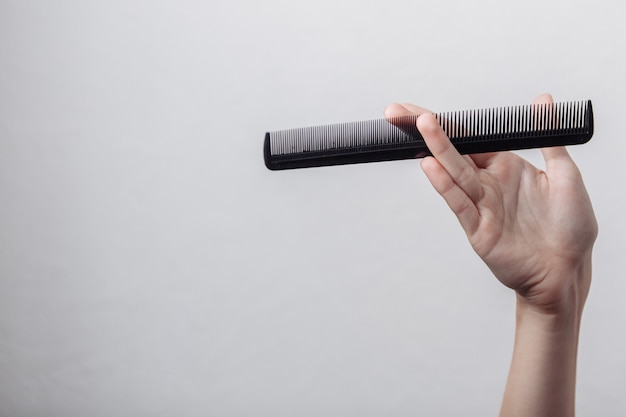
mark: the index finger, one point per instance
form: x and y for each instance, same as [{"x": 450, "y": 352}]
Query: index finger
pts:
[{"x": 462, "y": 172}]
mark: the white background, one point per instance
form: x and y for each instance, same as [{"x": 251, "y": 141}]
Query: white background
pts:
[{"x": 151, "y": 266}]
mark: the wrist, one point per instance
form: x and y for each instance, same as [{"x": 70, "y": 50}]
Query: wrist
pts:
[
  {"x": 558, "y": 297},
  {"x": 565, "y": 319}
]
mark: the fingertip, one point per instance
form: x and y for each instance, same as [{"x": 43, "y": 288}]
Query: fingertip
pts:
[
  {"x": 427, "y": 123},
  {"x": 426, "y": 163},
  {"x": 415, "y": 109},
  {"x": 432, "y": 168},
  {"x": 395, "y": 110},
  {"x": 553, "y": 153},
  {"x": 545, "y": 98}
]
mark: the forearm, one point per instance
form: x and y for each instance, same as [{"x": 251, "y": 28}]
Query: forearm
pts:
[{"x": 542, "y": 378}]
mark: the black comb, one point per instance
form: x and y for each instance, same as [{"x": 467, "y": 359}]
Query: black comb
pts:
[{"x": 470, "y": 131}]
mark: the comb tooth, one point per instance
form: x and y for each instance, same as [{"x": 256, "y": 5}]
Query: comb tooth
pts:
[
  {"x": 454, "y": 122},
  {"x": 505, "y": 121},
  {"x": 555, "y": 116},
  {"x": 306, "y": 140},
  {"x": 494, "y": 118},
  {"x": 580, "y": 114},
  {"x": 495, "y": 124},
  {"x": 582, "y": 111},
  {"x": 579, "y": 118},
  {"x": 512, "y": 120},
  {"x": 497, "y": 121},
  {"x": 549, "y": 116},
  {"x": 477, "y": 117},
  {"x": 475, "y": 123},
  {"x": 570, "y": 124},
  {"x": 507, "y": 113},
  {"x": 465, "y": 122},
  {"x": 450, "y": 116},
  {"x": 462, "y": 123},
  {"x": 539, "y": 117},
  {"x": 483, "y": 115},
  {"x": 483, "y": 122}
]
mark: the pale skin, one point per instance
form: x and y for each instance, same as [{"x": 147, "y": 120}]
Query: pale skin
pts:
[{"x": 535, "y": 230}]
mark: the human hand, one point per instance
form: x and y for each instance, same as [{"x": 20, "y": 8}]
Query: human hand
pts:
[{"x": 533, "y": 228}]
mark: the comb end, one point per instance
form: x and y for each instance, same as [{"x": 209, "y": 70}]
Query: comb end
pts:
[{"x": 267, "y": 154}]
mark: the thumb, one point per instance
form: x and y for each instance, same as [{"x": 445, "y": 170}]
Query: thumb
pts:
[{"x": 557, "y": 154}]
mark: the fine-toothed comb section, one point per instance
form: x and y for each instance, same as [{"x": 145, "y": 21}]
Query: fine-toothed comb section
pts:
[{"x": 470, "y": 131}]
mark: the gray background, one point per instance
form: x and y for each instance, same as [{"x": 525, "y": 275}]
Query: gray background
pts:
[{"x": 150, "y": 264}]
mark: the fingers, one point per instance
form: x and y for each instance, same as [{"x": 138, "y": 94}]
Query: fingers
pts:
[
  {"x": 458, "y": 201},
  {"x": 460, "y": 169},
  {"x": 452, "y": 175}
]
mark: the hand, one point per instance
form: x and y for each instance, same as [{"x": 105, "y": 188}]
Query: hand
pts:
[{"x": 534, "y": 229}]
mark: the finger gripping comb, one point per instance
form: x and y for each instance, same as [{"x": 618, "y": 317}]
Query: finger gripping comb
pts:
[{"x": 470, "y": 131}]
